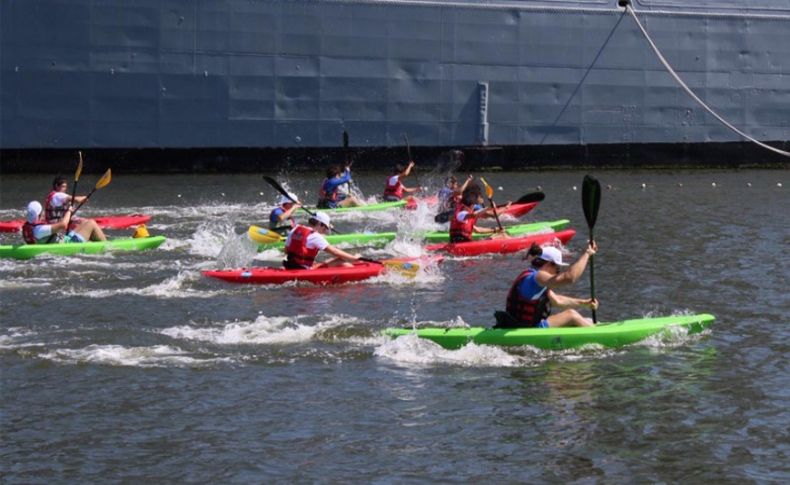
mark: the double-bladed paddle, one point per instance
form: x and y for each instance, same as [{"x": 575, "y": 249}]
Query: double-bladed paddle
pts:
[
  {"x": 284, "y": 192},
  {"x": 490, "y": 195},
  {"x": 103, "y": 182},
  {"x": 591, "y": 201}
]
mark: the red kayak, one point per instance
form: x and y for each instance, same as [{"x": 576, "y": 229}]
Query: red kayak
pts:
[
  {"x": 515, "y": 210},
  {"x": 108, "y": 222},
  {"x": 323, "y": 276},
  {"x": 509, "y": 245}
]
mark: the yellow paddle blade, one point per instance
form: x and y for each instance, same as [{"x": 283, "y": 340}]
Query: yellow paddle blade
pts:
[
  {"x": 489, "y": 190},
  {"x": 406, "y": 268},
  {"x": 104, "y": 180},
  {"x": 79, "y": 168},
  {"x": 261, "y": 235}
]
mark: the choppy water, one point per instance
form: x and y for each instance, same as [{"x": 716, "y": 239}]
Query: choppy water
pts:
[{"x": 133, "y": 367}]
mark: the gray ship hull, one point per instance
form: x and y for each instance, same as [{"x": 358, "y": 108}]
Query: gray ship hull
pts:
[{"x": 292, "y": 75}]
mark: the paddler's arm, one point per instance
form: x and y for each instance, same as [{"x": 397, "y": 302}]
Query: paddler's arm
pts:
[
  {"x": 569, "y": 276},
  {"x": 287, "y": 214},
  {"x": 63, "y": 224},
  {"x": 562, "y": 301},
  {"x": 339, "y": 253}
]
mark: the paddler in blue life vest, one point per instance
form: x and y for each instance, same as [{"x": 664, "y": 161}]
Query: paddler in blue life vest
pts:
[
  {"x": 305, "y": 242},
  {"x": 36, "y": 230},
  {"x": 394, "y": 189},
  {"x": 281, "y": 218},
  {"x": 329, "y": 197},
  {"x": 463, "y": 224},
  {"x": 532, "y": 294},
  {"x": 449, "y": 196}
]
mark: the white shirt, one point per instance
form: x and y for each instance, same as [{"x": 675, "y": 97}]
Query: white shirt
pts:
[
  {"x": 42, "y": 231},
  {"x": 314, "y": 240}
]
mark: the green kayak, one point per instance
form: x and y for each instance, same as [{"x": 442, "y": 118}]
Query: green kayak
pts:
[
  {"x": 614, "y": 334},
  {"x": 262, "y": 235},
  {"x": 380, "y": 206},
  {"x": 27, "y": 251}
]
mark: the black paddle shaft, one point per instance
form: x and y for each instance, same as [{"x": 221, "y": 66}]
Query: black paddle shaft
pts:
[{"x": 591, "y": 202}]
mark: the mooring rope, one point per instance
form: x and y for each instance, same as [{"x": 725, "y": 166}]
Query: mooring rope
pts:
[{"x": 690, "y": 92}]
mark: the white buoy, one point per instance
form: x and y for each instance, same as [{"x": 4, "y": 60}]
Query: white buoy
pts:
[
  {"x": 713, "y": 184},
  {"x": 748, "y": 184},
  {"x": 222, "y": 194},
  {"x": 539, "y": 187},
  {"x": 261, "y": 193},
  {"x": 500, "y": 188},
  {"x": 778, "y": 184},
  {"x": 574, "y": 187},
  {"x": 179, "y": 196},
  {"x": 644, "y": 185},
  {"x": 680, "y": 184},
  {"x": 608, "y": 186}
]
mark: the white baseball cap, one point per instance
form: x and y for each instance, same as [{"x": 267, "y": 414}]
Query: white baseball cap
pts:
[
  {"x": 33, "y": 211},
  {"x": 288, "y": 200},
  {"x": 553, "y": 255},
  {"x": 323, "y": 218}
]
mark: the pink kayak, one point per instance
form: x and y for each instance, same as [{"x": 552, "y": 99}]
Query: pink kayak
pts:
[
  {"x": 508, "y": 245},
  {"x": 107, "y": 222},
  {"x": 323, "y": 276}
]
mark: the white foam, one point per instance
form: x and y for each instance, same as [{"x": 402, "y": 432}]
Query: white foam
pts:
[
  {"x": 263, "y": 330},
  {"x": 173, "y": 287},
  {"x": 411, "y": 350},
  {"x": 117, "y": 355}
]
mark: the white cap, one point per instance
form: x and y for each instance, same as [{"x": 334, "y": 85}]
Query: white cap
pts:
[
  {"x": 552, "y": 254},
  {"x": 33, "y": 211},
  {"x": 288, "y": 200},
  {"x": 322, "y": 218}
]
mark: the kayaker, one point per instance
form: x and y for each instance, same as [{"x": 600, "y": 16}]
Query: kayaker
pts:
[
  {"x": 449, "y": 196},
  {"x": 281, "y": 218},
  {"x": 329, "y": 197},
  {"x": 304, "y": 243},
  {"x": 532, "y": 294},
  {"x": 468, "y": 210},
  {"x": 58, "y": 201},
  {"x": 395, "y": 189},
  {"x": 37, "y": 230}
]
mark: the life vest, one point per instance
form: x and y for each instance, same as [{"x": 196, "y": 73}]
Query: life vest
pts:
[
  {"x": 326, "y": 199},
  {"x": 393, "y": 192},
  {"x": 526, "y": 311},
  {"x": 53, "y": 214},
  {"x": 298, "y": 252},
  {"x": 462, "y": 231},
  {"x": 30, "y": 238},
  {"x": 274, "y": 220}
]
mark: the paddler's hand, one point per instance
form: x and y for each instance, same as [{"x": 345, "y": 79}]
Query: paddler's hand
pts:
[
  {"x": 592, "y": 303},
  {"x": 592, "y": 248}
]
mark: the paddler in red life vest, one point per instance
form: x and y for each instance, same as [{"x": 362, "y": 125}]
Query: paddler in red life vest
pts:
[
  {"x": 36, "y": 230},
  {"x": 329, "y": 197},
  {"x": 532, "y": 294},
  {"x": 304, "y": 243},
  {"x": 468, "y": 211},
  {"x": 281, "y": 218},
  {"x": 58, "y": 201},
  {"x": 395, "y": 189},
  {"x": 449, "y": 196}
]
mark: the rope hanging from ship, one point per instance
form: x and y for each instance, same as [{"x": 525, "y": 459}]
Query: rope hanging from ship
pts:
[{"x": 632, "y": 12}]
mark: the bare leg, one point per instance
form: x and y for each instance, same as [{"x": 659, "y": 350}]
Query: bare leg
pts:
[
  {"x": 90, "y": 231},
  {"x": 334, "y": 262},
  {"x": 568, "y": 318},
  {"x": 350, "y": 201}
]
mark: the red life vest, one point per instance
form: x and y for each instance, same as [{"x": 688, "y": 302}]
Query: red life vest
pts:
[
  {"x": 528, "y": 312},
  {"x": 298, "y": 252},
  {"x": 462, "y": 231},
  {"x": 393, "y": 191},
  {"x": 30, "y": 238},
  {"x": 53, "y": 214}
]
